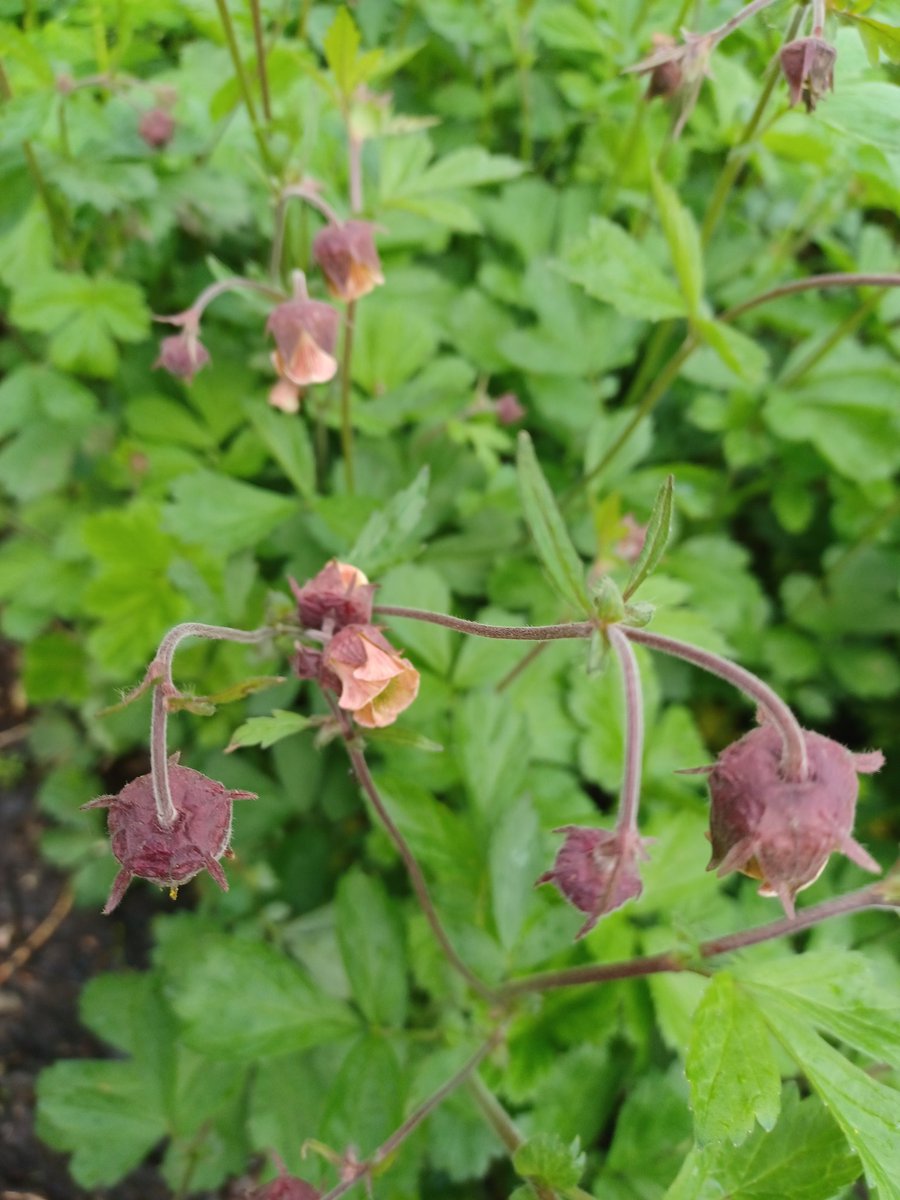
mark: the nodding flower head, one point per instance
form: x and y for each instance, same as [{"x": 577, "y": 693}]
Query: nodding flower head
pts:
[
  {"x": 666, "y": 77},
  {"x": 157, "y": 127},
  {"x": 349, "y": 261},
  {"x": 783, "y": 832},
  {"x": 808, "y": 66},
  {"x": 377, "y": 683},
  {"x": 169, "y": 855},
  {"x": 305, "y": 333},
  {"x": 597, "y": 871},
  {"x": 340, "y": 595},
  {"x": 182, "y": 355}
]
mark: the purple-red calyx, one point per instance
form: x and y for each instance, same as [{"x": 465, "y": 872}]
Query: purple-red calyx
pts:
[
  {"x": 597, "y": 871},
  {"x": 157, "y": 127},
  {"x": 305, "y": 332},
  {"x": 169, "y": 855},
  {"x": 182, "y": 355},
  {"x": 808, "y": 66},
  {"x": 783, "y": 832},
  {"x": 348, "y": 259},
  {"x": 340, "y": 595}
]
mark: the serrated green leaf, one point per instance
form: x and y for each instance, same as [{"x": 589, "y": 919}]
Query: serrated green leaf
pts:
[
  {"x": 341, "y": 48},
  {"x": 877, "y": 36},
  {"x": 611, "y": 266},
  {"x": 371, "y": 941},
  {"x": 684, "y": 242},
  {"x": 867, "y": 1110},
  {"x": 287, "y": 440},
  {"x": 731, "y": 1065},
  {"x": 222, "y": 514},
  {"x": 551, "y": 538},
  {"x": 515, "y": 862},
  {"x": 547, "y": 1159},
  {"x": 388, "y": 535},
  {"x": 266, "y": 731},
  {"x": 659, "y": 529},
  {"x": 746, "y": 357},
  {"x": 244, "y": 1000}
]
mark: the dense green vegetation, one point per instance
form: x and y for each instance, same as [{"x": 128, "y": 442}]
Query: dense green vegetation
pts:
[{"x": 561, "y": 254}]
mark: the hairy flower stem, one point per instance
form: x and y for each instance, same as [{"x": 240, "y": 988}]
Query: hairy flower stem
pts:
[
  {"x": 507, "y": 1131},
  {"x": 818, "y": 19},
  {"x": 346, "y": 396},
  {"x": 634, "y": 731},
  {"x": 414, "y": 1120},
  {"x": 244, "y": 85},
  {"x": 261, "y": 68},
  {"x": 794, "y": 760},
  {"x": 416, "y": 877},
  {"x": 812, "y": 283},
  {"x": 190, "y": 317},
  {"x": 737, "y": 157},
  {"x": 160, "y": 673},
  {"x": 521, "y": 633},
  {"x": 874, "y": 896}
]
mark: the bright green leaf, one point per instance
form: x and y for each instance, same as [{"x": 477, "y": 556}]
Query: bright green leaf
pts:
[
  {"x": 266, "y": 731},
  {"x": 389, "y": 534},
  {"x": 683, "y": 237},
  {"x": 223, "y": 514},
  {"x": 548, "y": 1160},
  {"x": 659, "y": 529},
  {"x": 371, "y": 941}
]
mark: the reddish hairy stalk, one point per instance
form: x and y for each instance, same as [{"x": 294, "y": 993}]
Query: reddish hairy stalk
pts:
[
  {"x": 634, "y": 729},
  {"x": 522, "y": 633}
]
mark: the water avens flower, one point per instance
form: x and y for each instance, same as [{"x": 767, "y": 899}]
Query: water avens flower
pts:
[
  {"x": 339, "y": 595},
  {"x": 169, "y": 855},
  {"x": 808, "y": 67},
  {"x": 156, "y": 127},
  {"x": 377, "y": 682},
  {"x": 782, "y": 832},
  {"x": 182, "y": 355},
  {"x": 597, "y": 871},
  {"x": 305, "y": 333},
  {"x": 348, "y": 259}
]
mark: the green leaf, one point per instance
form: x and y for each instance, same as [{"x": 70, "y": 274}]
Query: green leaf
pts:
[
  {"x": 731, "y": 1065},
  {"x": 470, "y": 166},
  {"x": 551, "y": 538},
  {"x": 803, "y": 1158},
  {"x": 100, "y": 1112},
  {"x": 546, "y": 1159},
  {"x": 491, "y": 741},
  {"x": 287, "y": 440},
  {"x": 420, "y": 587},
  {"x": 266, "y": 731},
  {"x": 371, "y": 941},
  {"x": 611, "y": 266},
  {"x": 867, "y": 1111},
  {"x": 223, "y": 514},
  {"x": 245, "y": 1000},
  {"x": 877, "y": 36},
  {"x": 365, "y": 1104},
  {"x": 515, "y": 861},
  {"x": 341, "y": 48},
  {"x": 740, "y": 353},
  {"x": 387, "y": 536},
  {"x": 683, "y": 237},
  {"x": 835, "y": 991},
  {"x": 659, "y": 529},
  {"x": 84, "y": 317}
]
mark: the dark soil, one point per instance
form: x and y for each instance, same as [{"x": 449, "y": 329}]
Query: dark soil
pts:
[{"x": 39, "y": 1002}]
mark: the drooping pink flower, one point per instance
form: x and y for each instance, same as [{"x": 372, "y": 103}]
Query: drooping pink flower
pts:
[
  {"x": 285, "y": 396},
  {"x": 597, "y": 871},
  {"x": 377, "y": 682},
  {"x": 169, "y": 855},
  {"x": 779, "y": 831},
  {"x": 156, "y": 127},
  {"x": 182, "y": 355},
  {"x": 348, "y": 259},
  {"x": 340, "y": 594},
  {"x": 808, "y": 67},
  {"x": 305, "y": 333}
]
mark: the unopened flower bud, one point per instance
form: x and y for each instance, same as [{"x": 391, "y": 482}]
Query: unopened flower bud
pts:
[
  {"x": 597, "y": 871},
  {"x": 156, "y": 127},
  {"x": 340, "y": 595},
  {"x": 808, "y": 66},
  {"x": 780, "y": 831},
  {"x": 305, "y": 333},
  {"x": 285, "y": 396},
  {"x": 377, "y": 682},
  {"x": 349, "y": 261},
  {"x": 508, "y": 409},
  {"x": 169, "y": 855},
  {"x": 182, "y": 355},
  {"x": 666, "y": 78}
]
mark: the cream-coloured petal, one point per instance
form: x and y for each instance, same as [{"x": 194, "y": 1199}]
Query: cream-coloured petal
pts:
[{"x": 309, "y": 363}]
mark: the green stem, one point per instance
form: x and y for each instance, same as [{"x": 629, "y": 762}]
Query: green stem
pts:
[
  {"x": 101, "y": 49},
  {"x": 244, "y": 85},
  {"x": 737, "y": 158},
  {"x": 346, "y": 397},
  {"x": 261, "y": 67},
  {"x": 843, "y": 329}
]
